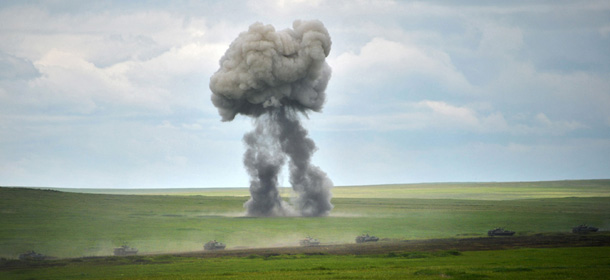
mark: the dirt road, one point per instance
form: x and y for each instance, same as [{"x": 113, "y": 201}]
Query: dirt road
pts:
[{"x": 458, "y": 244}]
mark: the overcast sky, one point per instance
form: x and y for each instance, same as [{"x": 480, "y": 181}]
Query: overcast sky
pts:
[{"x": 114, "y": 94}]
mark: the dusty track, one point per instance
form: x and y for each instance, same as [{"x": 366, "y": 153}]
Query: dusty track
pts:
[
  {"x": 375, "y": 248},
  {"x": 458, "y": 244}
]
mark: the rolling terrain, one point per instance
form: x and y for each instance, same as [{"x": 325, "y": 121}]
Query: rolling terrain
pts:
[
  {"x": 426, "y": 219},
  {"x": 544, "y": 256}
]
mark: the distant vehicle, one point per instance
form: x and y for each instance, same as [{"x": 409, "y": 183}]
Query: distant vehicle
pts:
[
  {"x": 584, "y": 229},
  {"x": 500, "y": 232},
  {"x": 366, "y": 238},
  {"x": 214, "y": 245},
  {"x": 125, "y": 251},
  {"x": 308, "y": 241},
  {"x": 31, "y": 255}
]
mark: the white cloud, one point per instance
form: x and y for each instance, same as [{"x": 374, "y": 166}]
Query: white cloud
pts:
[
  {"x": 444, "y": 117},
  {"x": 144, "y": 59},
  {"x": 569, "y": 96},
  {"x": 384, "y": 61},
  {"x": 119, "y": 95},
  {"x": 446, "y": 113}
]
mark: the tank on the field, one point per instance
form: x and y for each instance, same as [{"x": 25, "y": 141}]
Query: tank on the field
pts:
[
  {"x": 366, "y": 238},
  {"x": 214, "y": 245},
  {"x": 500, "y": 232},
  {"x": 31, "y": 255},
  {"x": 584, "y": 229},
  {"x": 309, "y": 241},
  {"x": 125, "y": 251}
]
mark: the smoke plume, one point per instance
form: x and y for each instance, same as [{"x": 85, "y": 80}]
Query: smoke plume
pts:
[{"x": 276, "y": 77}]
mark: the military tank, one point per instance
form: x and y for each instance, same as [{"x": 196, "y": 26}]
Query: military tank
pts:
[
  {"x": 31, "y": 255},
  {"x": 214, "y": 245},
  {"x": 500, "y": 232},
  {"x": 308, "y": 241},
  {"x": 125, "y": 251},
  {"x": 584, "y": 229},
  {"x": 366, "y": 238}
]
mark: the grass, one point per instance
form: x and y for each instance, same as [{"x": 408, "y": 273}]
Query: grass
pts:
[
  {"x": 556, "y": 263},
  {"x": 72, "y": 224},
  {"x": 75, "y": 224},
  {"x": 471, "y": 191},
  {"x": 481, "y": 191}
]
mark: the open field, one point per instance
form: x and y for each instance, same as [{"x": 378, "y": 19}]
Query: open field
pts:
[
  {"x": 480, "y": 191},
  {"x": 524, "y": 263},
  {"x": 75, "y": 224},
  {"x": 68, "y": 225},
  {"x": 477, "y": 191}
]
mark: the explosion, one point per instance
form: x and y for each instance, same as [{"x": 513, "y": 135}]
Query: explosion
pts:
[{"x": 275, "y": 77}]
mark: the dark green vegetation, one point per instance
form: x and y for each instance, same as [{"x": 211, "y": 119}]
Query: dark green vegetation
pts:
[
  {"x": 555, "y": 263},
  {"x": 66, "y": 225}
]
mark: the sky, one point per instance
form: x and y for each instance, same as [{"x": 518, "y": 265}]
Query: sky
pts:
[{"x": 115, "y": 94}]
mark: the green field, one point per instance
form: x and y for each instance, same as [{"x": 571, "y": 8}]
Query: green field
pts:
[
  {"x": 75, "y": 224},
  {"x": 72, "y": 224},
  {"x": 556, "y": 263},
  {"x": 480, "y": 191}
]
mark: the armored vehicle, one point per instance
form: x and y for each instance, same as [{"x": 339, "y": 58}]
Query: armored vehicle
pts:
[
  {"x": 308, "y": 241},
  {"x": 500, "y": 232},
  {"x": 125, "y": 251},
  {"x": 214, "y": 245},
  {"x": 584, "y": 229},
  {"x": 31, "y": 255},
  {"x": 366, "y": 238}
]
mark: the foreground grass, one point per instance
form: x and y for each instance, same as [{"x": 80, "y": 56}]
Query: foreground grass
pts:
[
  {"x": 556, "y": 263},
  {"x": 73, "y": 224}
]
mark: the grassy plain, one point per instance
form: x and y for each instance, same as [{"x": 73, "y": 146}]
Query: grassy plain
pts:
[
  {"x": 75, "y": 224},
  {"x": 72, "y": 224},
  {"x": 480, "y": 191}
]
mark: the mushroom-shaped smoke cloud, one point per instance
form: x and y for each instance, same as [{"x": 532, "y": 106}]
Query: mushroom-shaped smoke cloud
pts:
[
  {"x": 273, "y": 77},
  {"x": 263, "y": 69}
]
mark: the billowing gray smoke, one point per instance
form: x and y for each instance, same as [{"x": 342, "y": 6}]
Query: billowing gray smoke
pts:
[{"x": 275, "y": 77}]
